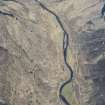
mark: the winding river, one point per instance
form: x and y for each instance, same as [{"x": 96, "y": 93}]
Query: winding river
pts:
[{"x": 65, "y": 48}]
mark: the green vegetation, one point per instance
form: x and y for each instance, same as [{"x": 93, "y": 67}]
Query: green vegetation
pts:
[{"x": 68, "y": 92}]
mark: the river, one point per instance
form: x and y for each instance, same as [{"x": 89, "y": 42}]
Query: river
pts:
[{"x": 65, "y": 48}]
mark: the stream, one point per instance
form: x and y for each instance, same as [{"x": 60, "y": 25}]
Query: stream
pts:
[{"x": 65, "y": 48}]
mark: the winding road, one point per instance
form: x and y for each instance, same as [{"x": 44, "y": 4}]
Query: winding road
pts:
[{"x": 65, "y": 48}]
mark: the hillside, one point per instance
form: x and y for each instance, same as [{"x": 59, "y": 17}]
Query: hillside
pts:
[{"x": 32, "y": 59}]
